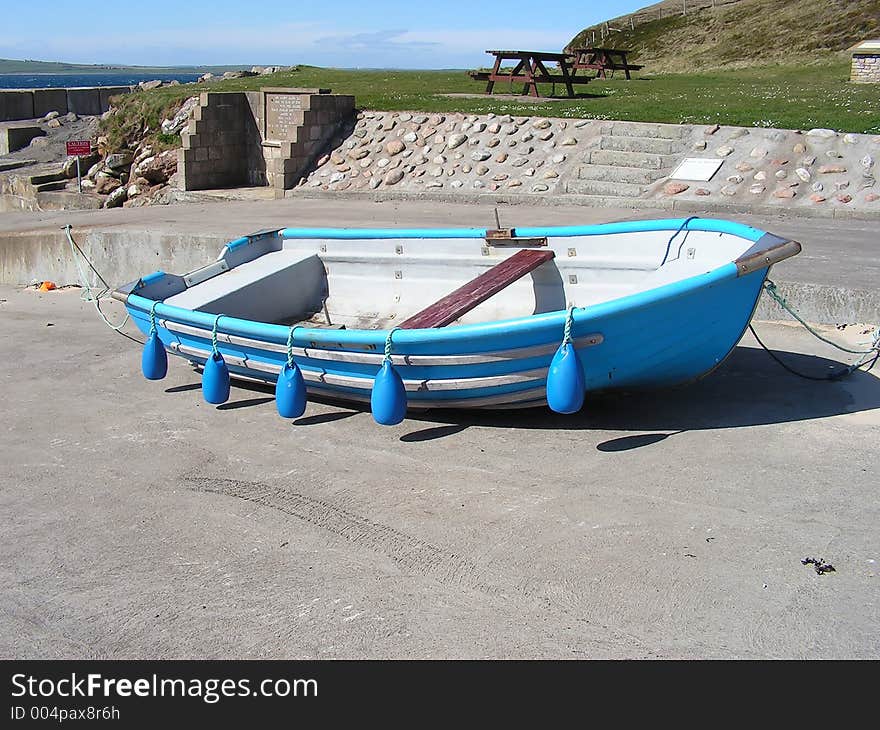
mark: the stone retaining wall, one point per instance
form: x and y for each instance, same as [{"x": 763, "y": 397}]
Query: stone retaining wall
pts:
[{"x": 459, "y": 156}]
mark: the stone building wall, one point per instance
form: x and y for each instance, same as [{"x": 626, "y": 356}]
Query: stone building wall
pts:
[
  {"x": 865, "y": 68},
  {"x": 269, "y": 137},
  {"x": 214, "y": 143}
]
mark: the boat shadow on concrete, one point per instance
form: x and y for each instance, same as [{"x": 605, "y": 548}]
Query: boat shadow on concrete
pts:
[{"x": 748, "y": 389}]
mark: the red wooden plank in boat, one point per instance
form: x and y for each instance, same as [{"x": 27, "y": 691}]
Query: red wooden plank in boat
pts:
[{"x": 464, "y": 299}]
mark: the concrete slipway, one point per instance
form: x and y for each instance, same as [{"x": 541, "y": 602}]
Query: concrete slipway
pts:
[{"x": 135, "y": 521}]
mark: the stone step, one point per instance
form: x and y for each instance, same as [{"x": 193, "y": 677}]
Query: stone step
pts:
[
  {"x": 657, "y": 131},
  {"x": 654, "y": 145},
  {"x": 604, "y": 187},
  {"x": 644, "y": 160},
  {"x": 618, "y": 174}
]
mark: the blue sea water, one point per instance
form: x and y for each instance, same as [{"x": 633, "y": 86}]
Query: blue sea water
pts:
[{"x": 47, "y": 81}]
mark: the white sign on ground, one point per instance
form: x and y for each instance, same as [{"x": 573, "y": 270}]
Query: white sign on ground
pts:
[{"x": 696, "y": 168}]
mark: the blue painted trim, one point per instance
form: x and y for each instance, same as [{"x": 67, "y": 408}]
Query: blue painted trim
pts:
[
  {"x": 669, "y": 224},
  {"x": 348, "y": 234},
  {"x": 150, "y": 278},
  {"x": 238, "y": 243},
  {"x": 711, "y": 225}
]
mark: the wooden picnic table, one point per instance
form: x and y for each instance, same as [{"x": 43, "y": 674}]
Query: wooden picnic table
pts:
[
  {"x": 530, "y": 70},
  {"x": 601, "y": 60}
]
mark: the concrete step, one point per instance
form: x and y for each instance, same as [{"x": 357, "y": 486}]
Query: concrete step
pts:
[
  {"x": 14, "y": 164},
  {"x": 657, "y": 131},
  {"x": 604, "y": 187},
  {"x": 610, "y": 173},
  {"x": 654, "y": 145},
  {"x": 47, "y": 186},
  {"x": 47, "y": 177},
  {"x": 629, "y": 159}
]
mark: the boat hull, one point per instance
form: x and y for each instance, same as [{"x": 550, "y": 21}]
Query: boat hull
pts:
[{"x": 660, "y": 338}]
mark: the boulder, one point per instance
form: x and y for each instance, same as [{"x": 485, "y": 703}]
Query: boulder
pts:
[
  {"x": 106, "y": 184},
  {"x": 159, "y": 169},
  {"x": 147, "y": 85},
  {"x": 118, "y": 160},
  {"x": 86, "y": 162},
  {"x": 117, "y": 197}
]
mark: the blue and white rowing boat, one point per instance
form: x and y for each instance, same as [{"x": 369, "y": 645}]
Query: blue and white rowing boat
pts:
[{"x": 460, "y": 318}]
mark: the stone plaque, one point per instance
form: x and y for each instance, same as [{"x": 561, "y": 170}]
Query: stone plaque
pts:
[{"x": 283, "y": 114}]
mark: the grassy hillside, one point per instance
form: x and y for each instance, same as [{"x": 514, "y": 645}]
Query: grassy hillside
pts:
[
  {"x": 12, "y": 66},
  {"x": 746, "y": 33},
  {"x": 782, "y": 96}
]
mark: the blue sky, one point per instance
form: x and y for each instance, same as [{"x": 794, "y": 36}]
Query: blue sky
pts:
[{"x": 345, "y": 33}]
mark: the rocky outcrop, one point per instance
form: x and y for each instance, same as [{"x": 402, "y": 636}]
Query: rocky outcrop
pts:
[{"x": 179, "y": 120}]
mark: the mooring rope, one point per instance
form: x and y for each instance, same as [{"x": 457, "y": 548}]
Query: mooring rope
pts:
[
  {"x": 868, "y": 357},
  {"x": 88, "y": 293}
]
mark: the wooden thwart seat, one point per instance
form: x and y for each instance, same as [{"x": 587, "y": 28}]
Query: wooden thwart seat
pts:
[{"x": 475, "y": 292}]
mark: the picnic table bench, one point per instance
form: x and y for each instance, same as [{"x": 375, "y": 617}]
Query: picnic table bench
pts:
[
  {"x": 601, "y": 60},
  {"x": 530, "y": 70}
]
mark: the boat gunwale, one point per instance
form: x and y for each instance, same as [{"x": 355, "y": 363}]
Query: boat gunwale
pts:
[{"x": 360, "y": 339}]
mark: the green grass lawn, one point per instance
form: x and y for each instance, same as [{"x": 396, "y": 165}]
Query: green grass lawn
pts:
[{"x": 791, "y": 97}]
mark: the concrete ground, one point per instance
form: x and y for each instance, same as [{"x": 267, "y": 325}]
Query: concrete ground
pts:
[{"x": 138, "y": 522}]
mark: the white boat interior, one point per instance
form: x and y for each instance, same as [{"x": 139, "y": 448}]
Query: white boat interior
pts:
[{"x": 379, "y": 283}]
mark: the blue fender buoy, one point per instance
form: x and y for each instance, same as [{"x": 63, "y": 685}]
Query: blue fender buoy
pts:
[
  {"x": 388, "y": 399},
  {"x": 565, "y": 381},
  {"x": 154, "y": 359},
  {"x": 290, "y": 392},
  {"x": 215, "y": 380}
]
